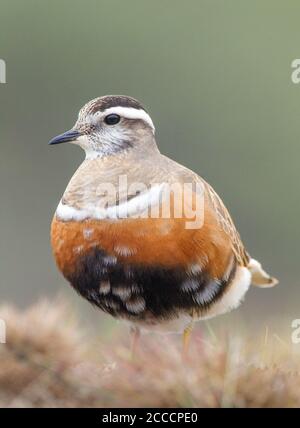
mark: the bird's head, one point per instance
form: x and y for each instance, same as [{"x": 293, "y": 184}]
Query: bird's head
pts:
[{"x": 108, "y": 125}]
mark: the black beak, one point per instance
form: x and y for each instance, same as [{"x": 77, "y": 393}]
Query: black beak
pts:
[{"x": 65, "y": 137}]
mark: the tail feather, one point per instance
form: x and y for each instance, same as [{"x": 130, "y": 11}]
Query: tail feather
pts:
[{"x": 260, "y": 278}]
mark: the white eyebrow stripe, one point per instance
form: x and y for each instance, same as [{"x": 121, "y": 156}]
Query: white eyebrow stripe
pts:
[{"x": 130, "y": 113}]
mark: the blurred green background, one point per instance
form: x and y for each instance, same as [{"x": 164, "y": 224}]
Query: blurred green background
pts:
[{"x": 216, "y": 79}]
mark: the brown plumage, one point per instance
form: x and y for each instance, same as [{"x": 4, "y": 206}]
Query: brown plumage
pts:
[{"x": 151, "y": 271}]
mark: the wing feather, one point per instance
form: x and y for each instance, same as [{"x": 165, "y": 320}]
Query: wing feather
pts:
[{"x": 226, "y": 222}]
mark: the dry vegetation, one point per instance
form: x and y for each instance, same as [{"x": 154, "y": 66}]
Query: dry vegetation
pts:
[{"x": 48, "y": 362}]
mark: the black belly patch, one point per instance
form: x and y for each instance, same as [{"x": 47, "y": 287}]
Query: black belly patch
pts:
[{"x": 143, "y": 293}]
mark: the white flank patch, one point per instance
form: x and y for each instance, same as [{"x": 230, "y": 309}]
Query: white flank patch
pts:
[
  {"x": 233, "y": 296},
  {"x": 134, "y": 207}
]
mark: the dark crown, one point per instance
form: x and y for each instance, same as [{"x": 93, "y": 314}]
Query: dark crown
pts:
[{"x": 108, "y": 101}]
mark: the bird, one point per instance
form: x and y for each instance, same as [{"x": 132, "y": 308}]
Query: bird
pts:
[{"x": 115, "y": 247}]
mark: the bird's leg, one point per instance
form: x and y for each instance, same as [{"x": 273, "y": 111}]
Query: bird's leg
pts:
[
  {"x": 135, "y": 339},
  {"x": 186, "y": 338}
]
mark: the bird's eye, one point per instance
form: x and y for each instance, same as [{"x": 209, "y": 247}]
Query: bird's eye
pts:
[{"x": 112, "y": 119}]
